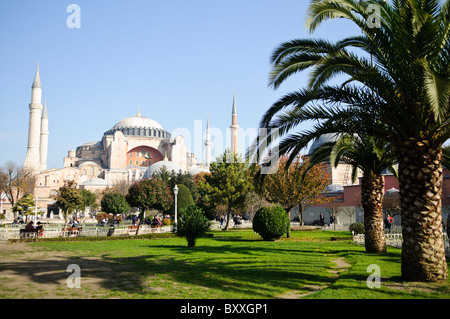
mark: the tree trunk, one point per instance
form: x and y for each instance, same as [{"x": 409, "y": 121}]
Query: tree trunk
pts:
[
  {"x": 372, "y": 203},
  {"x": 66, "y": 215},
  {"x": 421, "y": 177},
  {"x": 300, "y": 214},
  {"x": 191, "y": 242},
  {"x": 141, "y": 215},
  {"x": 288, "y": 232},
  {"x": 228, "y": 218}
]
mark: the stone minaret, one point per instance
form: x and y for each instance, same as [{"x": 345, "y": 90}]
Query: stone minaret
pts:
[
  {"x": 32, "y": 160},
  {"x": 208, "y": 145},
  {"x": 234, "y": 127},
  {"x": 43, "y": 146}
]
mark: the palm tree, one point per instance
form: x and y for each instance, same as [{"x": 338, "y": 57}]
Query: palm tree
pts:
[
  {"x": 372, "y": 156},
  {"x": 408, "y": 76}
]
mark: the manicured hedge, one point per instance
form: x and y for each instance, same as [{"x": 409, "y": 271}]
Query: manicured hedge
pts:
[{"x": 271, "y": 222}]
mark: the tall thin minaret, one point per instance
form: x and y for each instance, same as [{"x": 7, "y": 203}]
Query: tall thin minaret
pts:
[
  {"x": 32, "y": 160},
  {"x": 43, "y": 146},
  {"x": 234, "y": 127},
  {"x": 208, "y": 145}
]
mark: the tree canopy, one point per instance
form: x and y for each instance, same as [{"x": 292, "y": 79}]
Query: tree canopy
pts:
[{"x": 228, "y": 183}]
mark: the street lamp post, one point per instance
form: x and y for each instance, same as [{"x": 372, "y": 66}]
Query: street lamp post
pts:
[
  {"x": 35, "y": 212},
  {"x": 175, "y": 191}
]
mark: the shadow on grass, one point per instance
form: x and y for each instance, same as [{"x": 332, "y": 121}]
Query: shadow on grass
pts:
[
  {"x": 253, "y": 271},
  {"x": 131, "y": 274}
]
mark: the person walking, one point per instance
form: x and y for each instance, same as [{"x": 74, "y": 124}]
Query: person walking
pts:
[
  {"x": 389, "y": 222},
  {"x": 322, "y": 219}
]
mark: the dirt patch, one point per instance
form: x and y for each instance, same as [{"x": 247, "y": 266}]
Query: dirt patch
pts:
[
  {"x": 340, "y": 265},
  {"x": 296, "y": 294},
  {"x": 11, "y": 248},
  {"x": 30, "y": 273}
]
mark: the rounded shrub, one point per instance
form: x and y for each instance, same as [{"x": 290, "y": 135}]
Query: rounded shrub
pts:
[
  {"x": 271, "y": 222},
  {"x": 192, "y": 224},
  {"x": 357, "y": 228}
]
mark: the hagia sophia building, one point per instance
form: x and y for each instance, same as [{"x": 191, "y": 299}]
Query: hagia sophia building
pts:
[{"x": 134, "y": 148}]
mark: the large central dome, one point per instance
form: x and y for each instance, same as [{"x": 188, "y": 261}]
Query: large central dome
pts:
[
  {"x": 138, "y": 121},
  {"x": 139, "y": 126}
]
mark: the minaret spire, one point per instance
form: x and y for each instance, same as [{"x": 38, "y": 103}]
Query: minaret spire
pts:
[
  {"x": 43, "y": 147},
  {"x": 208, "y": 145},
  {"x": 37, "y": 79},
  {"x": 234, "y": 127},
  {"x": 32, "y": 159}
]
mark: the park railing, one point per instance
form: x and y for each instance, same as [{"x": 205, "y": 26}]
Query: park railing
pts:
[
  {"x": 396, "y": 240},
  {"x": 86, "y": 231}
]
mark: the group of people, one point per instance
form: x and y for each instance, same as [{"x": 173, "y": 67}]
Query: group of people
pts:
[
  {"x": 322, "y": 219},
  {"x": 237, "y": 219},
  {"x": 75, "y": 222},
  {"x": 18, "y": 220},
  {"x": 153, "y": 222},
  {"x": 30, "y": 226}
]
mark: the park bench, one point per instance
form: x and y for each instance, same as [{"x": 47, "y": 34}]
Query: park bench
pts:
[{"x": 30, "y": 233}]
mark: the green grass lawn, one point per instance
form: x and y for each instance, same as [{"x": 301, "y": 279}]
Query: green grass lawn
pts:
[{"x": 232, "y": 265}]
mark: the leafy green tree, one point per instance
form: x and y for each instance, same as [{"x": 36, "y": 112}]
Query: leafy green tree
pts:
[
  {"x": 405, "y": 84},
  {"x": 228, "y": 183},
  {"x": 372, "y": 156},
  {"x": 114, "y": 203},
  {"x": 164, "y": 175},
  {"x": 149, "y": 194},
  {"x": 89, "y": 199},
  {"x": 68, "y": 199},
  {"x": 24, "y": 205},
  {"x": 193, "y": 224},
  {"x": 298, "y": 184}
]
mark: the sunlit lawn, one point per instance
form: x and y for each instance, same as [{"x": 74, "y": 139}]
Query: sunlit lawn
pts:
[{"x": 232, "y": 265}]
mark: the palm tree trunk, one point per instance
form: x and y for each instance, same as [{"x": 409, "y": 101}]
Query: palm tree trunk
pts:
[
  {"x": 372, "y": 203},
  {"x": 420, "y": 177}
]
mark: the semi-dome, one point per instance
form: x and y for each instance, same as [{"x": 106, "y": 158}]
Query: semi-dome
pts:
[
  {"x": 335, "y": 188},
  {"x": 95, "y": 182},
  {"x": 139, "y": 126},
  {"x": 194, "y": 170},
  {"x": 158, "y": 166},
  {"x": 325, "y": 138},
  {"x": 392, "y": 192}
]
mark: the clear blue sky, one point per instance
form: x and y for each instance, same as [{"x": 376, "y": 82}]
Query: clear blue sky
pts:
[{"x": 179, "y": 61}]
